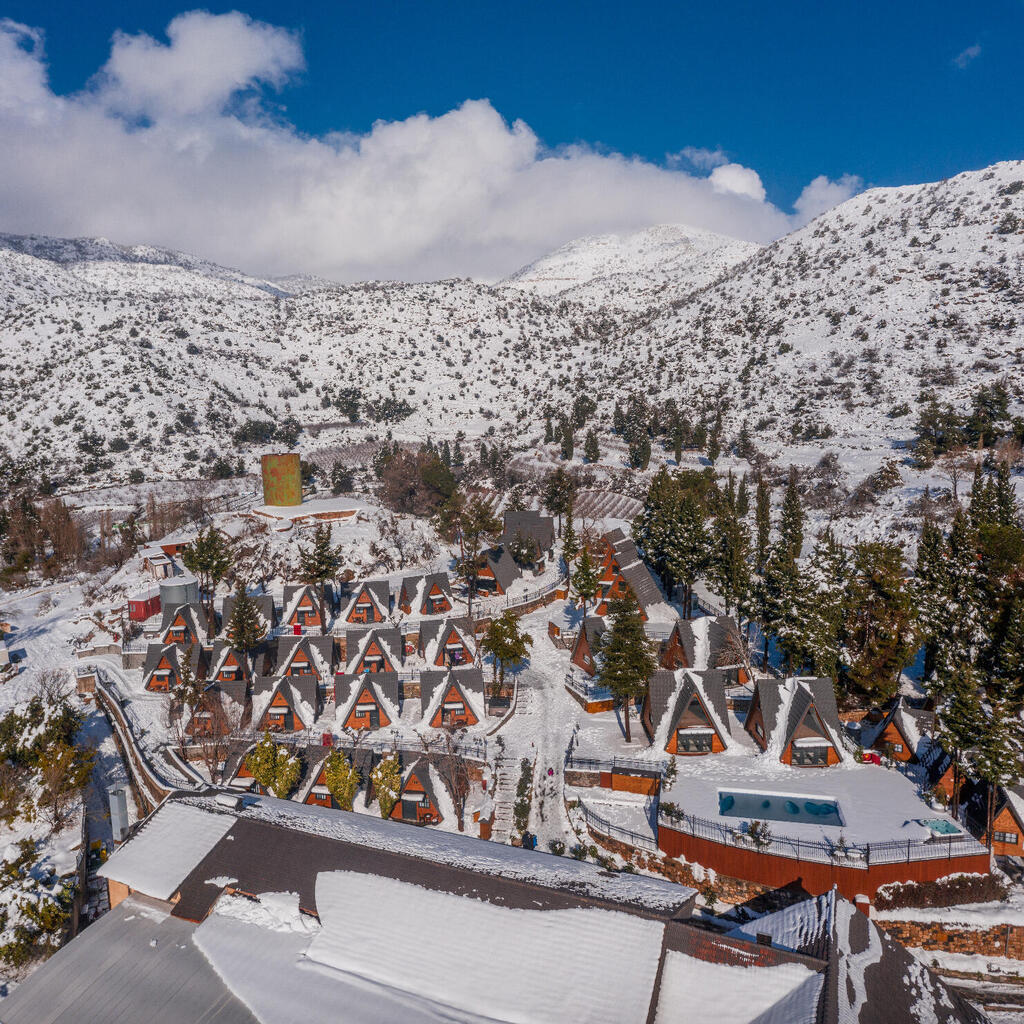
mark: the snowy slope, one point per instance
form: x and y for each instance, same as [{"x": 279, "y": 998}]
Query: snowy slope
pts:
[
  {"x": 812, "y": 341},
  {"x": 630, "y": 270}
]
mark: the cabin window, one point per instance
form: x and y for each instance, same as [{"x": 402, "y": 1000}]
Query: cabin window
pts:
[
  {"x": 1010, "y": 838},
  {"x": 897, "y": 748},
  {"x": 694, "y": 741},
  {"x": 425, "y": 802},
  {"x": 810, "y": 755}
]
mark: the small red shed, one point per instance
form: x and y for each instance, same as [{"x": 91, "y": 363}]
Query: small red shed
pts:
[{"x": 144, "y": 604}]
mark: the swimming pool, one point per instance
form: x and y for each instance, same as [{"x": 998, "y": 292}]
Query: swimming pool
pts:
[{"x": 812, "y": 810}]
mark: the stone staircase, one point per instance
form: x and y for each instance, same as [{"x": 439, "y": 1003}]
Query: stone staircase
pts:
[{"x": 504, "y": 799}]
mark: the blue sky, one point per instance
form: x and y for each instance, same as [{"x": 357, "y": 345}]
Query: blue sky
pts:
[{"x": 887, "y": 93}]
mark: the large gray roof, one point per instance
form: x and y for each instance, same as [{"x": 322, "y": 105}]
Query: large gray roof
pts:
[{"x": 529, "y": 524}]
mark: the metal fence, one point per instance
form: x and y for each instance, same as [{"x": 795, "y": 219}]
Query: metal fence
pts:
[
  {"x": 586, "y": 689},
  {"x": 856, "y": 855},
  {"x": 618, "y": 765},
  {"x": 597, "y": 823},
  {"x": 483, "y": 606}
]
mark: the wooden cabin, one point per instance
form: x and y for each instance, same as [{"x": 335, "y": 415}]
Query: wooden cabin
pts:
[
  {"x": 798, "y": 718},
  {"x": 687, "y": 711},
  {"x": 429, "y": 594},
  {"x": 368, "y": 701},
  {"x": 370, "y": 603},
  {"x": 585, "y": 649},
  {"x": 447, "y": 643},
  {"x": 417, "y": 802}
]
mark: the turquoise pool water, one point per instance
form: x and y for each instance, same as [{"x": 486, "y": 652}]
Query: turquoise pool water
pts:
[
  {"x": 941, "y": 827},
  {"x": 779, "y": 807}
]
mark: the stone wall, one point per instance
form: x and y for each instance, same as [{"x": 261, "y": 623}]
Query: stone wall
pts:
[{"x": 999, "y": 940}]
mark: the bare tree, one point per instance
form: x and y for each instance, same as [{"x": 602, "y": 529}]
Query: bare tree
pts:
[
  {"x": 454, "y": 770},
  {"x": 956, "y": 464},
  {"x": 51, "y": 685}
]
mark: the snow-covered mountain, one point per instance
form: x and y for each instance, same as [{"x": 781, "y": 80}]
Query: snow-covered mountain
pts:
[
  {"x": 634, "y": 269},
  {"x": 825, "y": 334}
]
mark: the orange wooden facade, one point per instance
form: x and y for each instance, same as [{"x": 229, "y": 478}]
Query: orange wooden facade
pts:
[
  {"x": 450, "y": 716},
  {"x": 364, "y": 719}
]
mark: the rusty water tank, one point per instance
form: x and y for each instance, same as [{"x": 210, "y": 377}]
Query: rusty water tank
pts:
[{"x": 282, "y": 479}]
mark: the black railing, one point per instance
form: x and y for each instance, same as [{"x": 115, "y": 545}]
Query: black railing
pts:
[
  {"x": 597, "y": 823},
  {"x": 625, "y": 765},
  {"x": 858, "y": 855}
]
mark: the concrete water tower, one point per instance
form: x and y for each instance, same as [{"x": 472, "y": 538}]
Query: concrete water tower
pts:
[{"x": 282, "y": 479}]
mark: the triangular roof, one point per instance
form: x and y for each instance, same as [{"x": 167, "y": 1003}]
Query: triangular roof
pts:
[
  {"x": 420, "y": 771},
  {"x": 503, "y": 565},
  {"x": 379, "y": 592},
  {"x": 415, "y": 590},
  {"x": 293, "y": 596},
  {"x": 219, "y": 654},
  {"x": 175, "y": 655},
  {"x": 784, "y": 703},
  {"x": 318, "y": 649},
  {"x": 300, "y": 692},
  {"x": 194, "y": 616},
  {"x": 530, "y": 524},
  {"x": 388, "y": 638},
  {"x": 434, "y": 686},
  {"x": 670, "y": 693},
  {"x": 433, "y": 633},
  {"x": 383, "y": 686},
  {"x": 912, "y": 724}
]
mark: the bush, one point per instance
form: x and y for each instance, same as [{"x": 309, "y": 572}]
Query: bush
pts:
[
  {"x": 557, "y": 847},
  {"x": 136, "y": 476},
  {"x": 944, "y": 892}
]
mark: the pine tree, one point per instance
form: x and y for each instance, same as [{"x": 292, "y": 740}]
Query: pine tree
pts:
[
  {"x": 791, "y": 525},
  {"x": 245, "y": 630},
  {"x": 585, "y": 579},
  {"x": 999, "y": 749},
  {"x": 568, "y": 444},
  {"x": 476, "y": 524},
  {"x": 570, "y": 542},
  {"x": 763, "y": 522},
  {"x": 821, "y": 608},
  {"x": 959, "y": 721},
  {"x": 274, "y": 767},
  {"x": 730, "y": 570},
  {"x": 549, "y": 431},
  {"x": 190, "y": 688},
  {"x": 930, "y": 592},
  {"x": 209, "y": 557},
  {"x": 640, "y": 451},
  {"x": 591, "y": 449},
  {"x": 446, "y": 454},
  {"x": 506, "y": 643},
  {"x": 677, "y": 441},
  {"x": 778, "y": 596},
  {"x": 627, "y": 656},
  {"x": 1004, "y": 497},
  {"x": 342, "y": 779},
  {"x": 319, "y": 563},
  {"x": 559, "y": 491},
  {"x": 687, "y": 547},
  {"x": 1009, "y": 661},
  {"x": 879, "y": 634},
  {"x": 618, "y": 419},
  {"x": 386, "y": 777},
  {"x": 742, "y": 498}
]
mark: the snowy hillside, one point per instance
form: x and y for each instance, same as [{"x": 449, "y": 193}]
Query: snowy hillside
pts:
[
  {"x": 135, "y": 357},
  {"x": 632, "y": 270}
]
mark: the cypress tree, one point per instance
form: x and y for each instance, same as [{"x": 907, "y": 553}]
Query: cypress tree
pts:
[
  {"x": 209, "y": 557},
  {"x": 591, "y": 450},
  {"x": 585, "y": 579},
  {"x": 627, "y": 656},
  {"x": 791, "y": 524},
  {"x": 618, "y": 419},
  {"x": 763, "y": 522},
  {"x": 1000, "y": 745},
  {"x": 742, "y": 498},
  {"x": 731, "y": 572},
  {"x": 565, "y": 429}
]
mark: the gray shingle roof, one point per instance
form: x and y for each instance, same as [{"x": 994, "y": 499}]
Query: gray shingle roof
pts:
[{"x": 529, "y": 524}]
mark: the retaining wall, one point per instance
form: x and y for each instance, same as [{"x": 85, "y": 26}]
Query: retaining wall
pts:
[{"x": 999, "y": 940}]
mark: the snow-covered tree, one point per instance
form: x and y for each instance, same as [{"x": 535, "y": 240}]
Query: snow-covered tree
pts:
[{"x": 386, "y": 777}]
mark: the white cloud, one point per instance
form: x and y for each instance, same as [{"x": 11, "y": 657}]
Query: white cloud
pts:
[
  {"x": 964, "y": 57},
  {"x": 702, "y": 159},
  {"x": 822, "y": 194},
  {"x": 173, "y": 145},
  {"x": 735, "y": 179}
]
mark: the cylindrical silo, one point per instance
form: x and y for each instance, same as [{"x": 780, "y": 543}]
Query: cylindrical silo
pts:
[
  {"x": 178, "y": 590},
  {"x": 282, "y": 479}
]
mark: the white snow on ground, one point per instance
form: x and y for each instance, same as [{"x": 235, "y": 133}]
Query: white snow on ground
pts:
[
  {"x": 968, "y": 963},
  {"x": 975, "y": 916},
  {"x": 166, "y": 849},
  {"x": 696, "y": 990},
  {"x": 552, "y": 976}
]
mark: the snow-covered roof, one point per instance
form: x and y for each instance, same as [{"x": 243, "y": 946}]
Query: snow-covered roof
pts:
[
  {"x": 388, "y": 639},
  {"x": 348, "y": 687},
  {"x": 166, "y": 848},
  {"x": 439, "y": 631},
  {"x": 670, "y": 693},
  {"x": 784, "y": 704},
  {"x": 416, "y": 589},
  {"x": 378, "y": 592},
  {"x": 299, "y": 691},
  {"x": 434, "y": 686},
  {"x": 294, "y": 594},
  {"x": 319, "y": 650}
]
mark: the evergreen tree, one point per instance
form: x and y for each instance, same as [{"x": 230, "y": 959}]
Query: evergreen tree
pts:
[
  {"x": 959, "y": 721},
  {"x": 627, "y": 656},
  {"x": 549, "y": 431},
  {"x": 1009, "y": 663},
  {"x": 245, "y": 630},
  {"x": 506, "y": 643},
  {"x": 585, "y": 578},
  {"x": 730, "y": 570},
  {"x": 476, "y": 524},
  {"x": 791, "y": 525},
  {"x": 190, "y": 688},
  {"x": 1004, "y": 497},
  {"x": 274, "y": 767},
  {"x": 559, "y": 492},
  {"x": 446, "y": 454},
  {"x": 640, "y": 452},
  {"x": 930, "y": 592},
  {"x": 742, "y": 498},
  {"x": 319, "y": 563},
  {"x": 591, "y": 449},
  {"x": 999, "y": 749},
  {"x": 687, "y": 547},
  {"x": 618, "y": 419},
  {"x": 342, "y": 779},
  {"x": 386, "y": 777},
  {"x": 568, "y": 444},
  {"x": 778, "y": 596},
  {"x": 209, "y": 557},
  {"x": 763, "y": 522},
  {"x": 458, "y": 459},
  {"x": 677, "y": 441},
  {"x": 822, "y": 606},
  {"x": 880, "y": 630},
  {"x": 570, "y": 542}
]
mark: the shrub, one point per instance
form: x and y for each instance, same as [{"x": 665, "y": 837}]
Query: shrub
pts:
[
  {"x": 557, "y": 847},
  {"x": 944, "y": 892}
]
